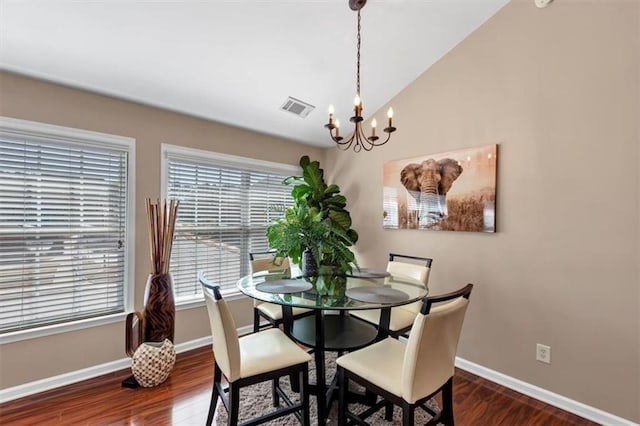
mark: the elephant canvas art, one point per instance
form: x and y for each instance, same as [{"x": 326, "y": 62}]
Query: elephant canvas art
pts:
[{"x": 452, "y": 191}]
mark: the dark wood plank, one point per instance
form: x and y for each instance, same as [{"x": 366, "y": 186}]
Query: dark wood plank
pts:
[
  {"x": 478, "y": 401},
  {"x": 184, "y": 399}
]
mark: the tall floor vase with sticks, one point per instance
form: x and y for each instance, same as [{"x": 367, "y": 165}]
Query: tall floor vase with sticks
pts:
[
  {"x": 156, "y": 324},
  {"x": 159, "y": 305}
]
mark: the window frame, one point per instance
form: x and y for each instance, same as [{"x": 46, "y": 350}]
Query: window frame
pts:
[
  {"x": 219, "y": 159},
  {"x": 73, "y": 136}
]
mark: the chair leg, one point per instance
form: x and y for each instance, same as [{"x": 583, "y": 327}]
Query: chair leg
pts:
[
  {"x": 294, "y": 383},
  {"x": 370, "y": 397},
  {"x": 274, "y": 391},
  {"x": 447, "y": 403},
  {"x": 343, "y": 383},
  {"x": 407, "y": 414},
  {"x": 388, "y": 411},
  {"x": 217, "y": 377},
  {"x": 234, "y": 404},
  {"x": 256, "y": 320},
  {"x": 304, "y": 396}
]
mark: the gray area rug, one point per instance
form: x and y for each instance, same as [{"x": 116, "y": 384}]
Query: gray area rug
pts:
[{"x": 256, "y": 400}]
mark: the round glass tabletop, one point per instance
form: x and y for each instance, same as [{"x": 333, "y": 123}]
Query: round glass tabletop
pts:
[{"x": 370, "y": 291}]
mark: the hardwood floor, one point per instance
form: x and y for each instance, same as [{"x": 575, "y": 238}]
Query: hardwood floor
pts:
[{"x": 184, "y": 399}]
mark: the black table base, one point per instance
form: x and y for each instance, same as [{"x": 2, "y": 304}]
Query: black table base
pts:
[{"x": 333, "y": 333}]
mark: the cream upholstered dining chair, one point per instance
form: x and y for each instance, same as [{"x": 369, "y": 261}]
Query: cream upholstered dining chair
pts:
[
  {"x": 251, "y": 359},
  {"x": 414, "y": 371},
  {"x": 402, "y": 317},
  {"x": 265, "y": 261}
]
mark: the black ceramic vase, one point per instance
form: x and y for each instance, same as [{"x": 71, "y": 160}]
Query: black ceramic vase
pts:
[{"x": 309, "y": 265}]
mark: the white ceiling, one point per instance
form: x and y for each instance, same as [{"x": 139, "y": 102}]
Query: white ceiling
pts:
[{"x": 236, "y": 61}]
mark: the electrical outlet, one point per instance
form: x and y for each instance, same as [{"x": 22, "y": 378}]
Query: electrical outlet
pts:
[{"x": 543, "y": 353}]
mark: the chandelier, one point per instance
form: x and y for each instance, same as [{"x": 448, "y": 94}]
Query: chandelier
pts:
[{"x": 358, "y": 138}]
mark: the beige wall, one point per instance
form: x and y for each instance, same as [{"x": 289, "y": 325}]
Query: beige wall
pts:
[
  {"x": 558, "y": 90},
  {"x": 24, "y": 98}
]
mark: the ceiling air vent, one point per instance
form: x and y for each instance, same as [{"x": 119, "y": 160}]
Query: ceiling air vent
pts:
[{"x": 297, "y": 107}]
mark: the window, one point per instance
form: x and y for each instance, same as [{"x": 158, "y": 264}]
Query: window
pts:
[
  {"x": 64, "y": 211},
  {"x": 226, "y": 204}
]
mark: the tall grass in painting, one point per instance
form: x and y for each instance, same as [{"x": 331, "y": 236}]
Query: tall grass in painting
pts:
[{"x": 466, "y": 213}]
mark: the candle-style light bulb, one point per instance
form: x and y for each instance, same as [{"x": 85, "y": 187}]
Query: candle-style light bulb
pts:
[
  {"x": 390, "y": 115},
  {"x": 331, "y": 111},
  {"x": 330, "y": 114},
  {"x": 337, "y": 128},
  {"x": 357, "y": 101},
  {"x": 373, "y": 127}
]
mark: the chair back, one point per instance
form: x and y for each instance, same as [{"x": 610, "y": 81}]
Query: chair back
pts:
[
  {"x": 432, "y": 345},
  {"x": 266, "y": 261},
  {"x": 226, "y": 347},
  {"x": 417, "y": 268}
]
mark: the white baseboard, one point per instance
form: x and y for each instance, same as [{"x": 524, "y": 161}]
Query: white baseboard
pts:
[
  {"x": 49, "y": 383},
  {"x": 37, "y": 386},
  {"x": 193, "y": 344},
  {"x": 570, "y": 405}
]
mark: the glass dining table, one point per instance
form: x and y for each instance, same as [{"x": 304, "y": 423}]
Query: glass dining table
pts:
[{"x": 331, "y": 297}]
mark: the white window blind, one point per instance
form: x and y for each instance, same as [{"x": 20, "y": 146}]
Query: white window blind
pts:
[
  {"x": 225, "y": 208},
  {"x": 63, "y": 211}
]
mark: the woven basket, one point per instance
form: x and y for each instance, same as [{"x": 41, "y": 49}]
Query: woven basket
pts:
[{"x": 152, "y": 362}]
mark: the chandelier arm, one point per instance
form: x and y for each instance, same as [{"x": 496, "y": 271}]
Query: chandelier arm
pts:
[
  {"x": 366, "y": 146},
  {"x": 331, "y": 128},
  {"x": 344, "y": 146},
  {"x": 376, "y": 143},
  {"x": 346, "y": 142},
  {"x": 363, "y": 139},
  {"x": 335, "y": 139}
]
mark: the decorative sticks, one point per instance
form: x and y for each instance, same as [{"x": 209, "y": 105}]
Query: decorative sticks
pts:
[{"x": 161, "y": 219}]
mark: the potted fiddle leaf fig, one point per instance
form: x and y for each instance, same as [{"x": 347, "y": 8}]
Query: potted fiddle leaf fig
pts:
[{"x": 316, "y": 231}]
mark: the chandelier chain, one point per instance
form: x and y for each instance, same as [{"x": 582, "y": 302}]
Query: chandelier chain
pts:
[{"x": 358, "y": 59}]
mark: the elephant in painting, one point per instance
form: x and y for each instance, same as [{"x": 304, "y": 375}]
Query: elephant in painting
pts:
[{"x": 429, "y": 182}]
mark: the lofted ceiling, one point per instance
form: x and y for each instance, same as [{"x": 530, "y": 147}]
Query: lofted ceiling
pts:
[{"x": 236, "y": 62}]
